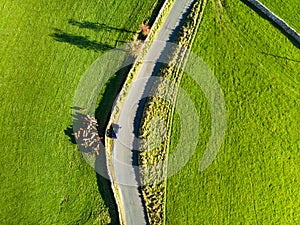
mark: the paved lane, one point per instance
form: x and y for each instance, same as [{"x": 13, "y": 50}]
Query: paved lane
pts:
[{"x": 124, "y": 152}]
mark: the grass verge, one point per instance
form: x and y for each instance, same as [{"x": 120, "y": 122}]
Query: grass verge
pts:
[
  {"x": 45, "y": 48},
  {"x": 254, "y": 179},
  {"x": 154, "y": 150}
]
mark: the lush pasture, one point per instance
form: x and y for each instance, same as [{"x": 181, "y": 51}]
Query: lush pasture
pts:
[
  {"x": 255, "y": 177},
  {"x": 45, "y": 48},
  {"x": 287, "y": 10}
]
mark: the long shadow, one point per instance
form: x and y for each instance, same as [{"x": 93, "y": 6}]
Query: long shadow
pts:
[
  {"x": 103, "y": 183},
  {"x": 80, "y": 41},
  {"x": 280, "y": 57},
  {"x": 104, "y": 188},
  {"x": 97, "y": 26},
  {"x": 112, "y": 89},
  {"x": 102, "y": 114},
  {"x": 139, "y": 113},
  {"x": 294, "y": 41},
  {"x": 162, "y": 58},
  {"x": 70, "y": 133},
  {"x": 150, "y": 20}
]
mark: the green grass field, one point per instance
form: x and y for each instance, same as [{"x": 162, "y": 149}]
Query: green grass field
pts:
[
  {"x": 45, "y": 48},
  {"x": 287, "y": 10},
  {"x": 255, "y": 177}
]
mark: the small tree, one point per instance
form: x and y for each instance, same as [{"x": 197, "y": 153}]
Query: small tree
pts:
[{"x": 145, "y": 29}]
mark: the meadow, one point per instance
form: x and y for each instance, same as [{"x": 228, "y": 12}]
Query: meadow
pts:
[
  {"x": 255, "y": 176},
  {"x": 287, "y": 10},
  {"x": 46, "y": 46}
]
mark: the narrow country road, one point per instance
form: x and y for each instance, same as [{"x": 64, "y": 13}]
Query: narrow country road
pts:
[
  {"x": 124, "y": 157},
  {"x": 125, "y": 150}
]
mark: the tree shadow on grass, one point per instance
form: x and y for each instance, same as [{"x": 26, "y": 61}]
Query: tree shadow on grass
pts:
[
  {"x": 294, "y": 41},
  {"x": 103, "y": 110},
  {"x": 104, "y": 187},
  {"x": 102, "y": 115},
  {"x": 97, "y": 26},
  {"x": 280, "y": 57},
  {"x": 150, "y": 20},
  {"x": 70, "y": 133},
  {"x": 82, "y": 42},
  {"x": 112, "y": 89}
]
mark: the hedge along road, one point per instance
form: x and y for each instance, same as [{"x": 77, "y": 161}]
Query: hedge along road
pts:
[{"x": 124, "y": 157}]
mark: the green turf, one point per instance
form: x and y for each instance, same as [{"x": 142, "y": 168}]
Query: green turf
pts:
[
  {"x": 287, "y": 10},
  {"x": 255, "y": 177},
  {"x": 45, "y": 48}
]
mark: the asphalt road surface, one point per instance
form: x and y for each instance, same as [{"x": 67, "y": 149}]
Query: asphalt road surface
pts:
[{"x": 125, "y": 151}]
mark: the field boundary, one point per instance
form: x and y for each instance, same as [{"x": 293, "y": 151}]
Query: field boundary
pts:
[
  {"x": 286, "y": 28},
  {"x": 190, "y": 42},
  {"x": 185, "y": 38}
]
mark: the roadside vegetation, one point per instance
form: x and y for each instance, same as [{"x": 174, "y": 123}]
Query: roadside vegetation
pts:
[
  {"x": 157, "y": 133},
  {"x": 46, "y": 46},
  {"x": 255, "y": 177},
  {"x": 142, "y": 42},
  {"x": 286, "y": 10}
]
